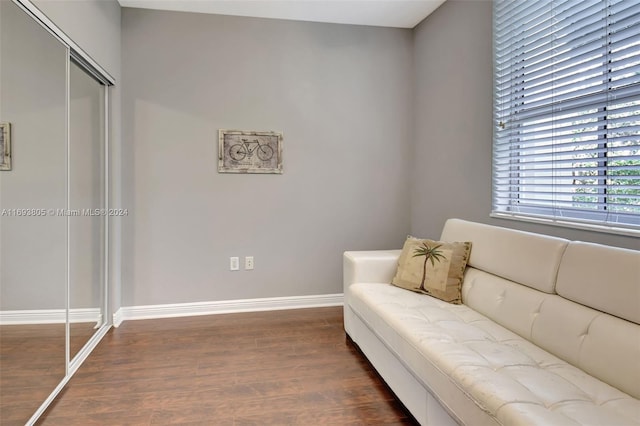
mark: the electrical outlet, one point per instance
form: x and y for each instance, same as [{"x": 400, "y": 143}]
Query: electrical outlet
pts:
[
  {"x": 248, "y": 263},
  {"x": 234, "y": 263}
]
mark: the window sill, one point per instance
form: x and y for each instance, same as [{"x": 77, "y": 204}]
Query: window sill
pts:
[{"x": 567, "y": 223}]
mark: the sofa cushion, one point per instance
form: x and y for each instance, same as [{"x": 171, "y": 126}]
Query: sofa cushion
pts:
[
  {"x": 433, "y": 267},
  {"x": 523, "y": 257},
  {"x": 614, "y": 289},
  {"x": 602, "y": 345},
  {"x": 468, "y": 361}
]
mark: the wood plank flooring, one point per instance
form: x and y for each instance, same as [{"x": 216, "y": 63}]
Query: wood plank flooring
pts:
[
  {"x": 266, "y": 368},
  {"x": 32, "y": 363}
]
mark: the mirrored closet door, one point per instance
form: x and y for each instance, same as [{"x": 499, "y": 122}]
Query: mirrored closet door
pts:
[
  {"x": 87, "y": 206},
  {"x": 53, "y": 201},
  {"x": 33, "y": 246}
]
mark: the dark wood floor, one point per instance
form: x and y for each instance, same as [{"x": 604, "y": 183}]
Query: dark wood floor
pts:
[
  {"x": 32, "y": 363},
  {"x": 266, "y": 368}
]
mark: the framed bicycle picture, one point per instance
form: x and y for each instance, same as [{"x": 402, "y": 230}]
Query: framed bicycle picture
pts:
[
  {"x": 249, "y": 152},
  {"x": 5, "y": 146}
]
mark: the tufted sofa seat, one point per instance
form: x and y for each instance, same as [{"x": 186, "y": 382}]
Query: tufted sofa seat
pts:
[{"x": 548, "y": 333}]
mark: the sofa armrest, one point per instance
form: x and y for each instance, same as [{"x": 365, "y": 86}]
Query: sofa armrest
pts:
[{"x": 376, "y": 266}]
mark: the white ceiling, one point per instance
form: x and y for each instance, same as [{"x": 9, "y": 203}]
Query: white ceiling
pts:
[{"x": 381, "y": 13}]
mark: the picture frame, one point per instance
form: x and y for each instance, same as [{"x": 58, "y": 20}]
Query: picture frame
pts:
[
  {"x": 5, "y": 146},
  {"x": 241, "y": 151}
]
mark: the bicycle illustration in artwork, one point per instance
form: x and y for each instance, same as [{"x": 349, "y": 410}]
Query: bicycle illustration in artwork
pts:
[
  {"x": 249, "y": 152},
  {"x": 248, "y": 147}
]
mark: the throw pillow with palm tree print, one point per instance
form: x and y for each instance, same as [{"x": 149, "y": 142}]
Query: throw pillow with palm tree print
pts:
[{"x": 433, "y": 267}]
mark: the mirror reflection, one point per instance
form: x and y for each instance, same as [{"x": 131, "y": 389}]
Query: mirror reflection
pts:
[
  {"x": 87, "y": 198},
  {"x": 33, "y": 246},
  {"x": 52, "y": 218}
]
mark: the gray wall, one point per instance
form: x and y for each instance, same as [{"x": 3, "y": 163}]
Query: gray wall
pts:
[
  {"x": 453, "y": 125},
  {"x": 342, "y": 96}
]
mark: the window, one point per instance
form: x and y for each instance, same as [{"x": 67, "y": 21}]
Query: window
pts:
[{"x": 567, "y": 112}]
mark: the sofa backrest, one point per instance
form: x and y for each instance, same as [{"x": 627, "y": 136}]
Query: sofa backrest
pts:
[
  {"x": 607, "y": 341},
  {"x": 523, "y": 257},
  {"x": 602, "y": 277},
  {"x": 591, "y": 323}
]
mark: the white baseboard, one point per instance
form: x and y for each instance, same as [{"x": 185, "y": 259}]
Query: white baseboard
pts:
[
  {"x": 224, "y": 307},
  {"x": 50, "y": 316},
  {"x": 117, "y": 318}
]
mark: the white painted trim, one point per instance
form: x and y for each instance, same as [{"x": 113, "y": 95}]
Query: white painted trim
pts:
[
  {"x": 225, "y": 307},
  {"x": 50, "y": 316},
  {"x": 67, "y": 329},
  {"x": 107, "y": 204},
  {"x": 569, "y": 223},
  {"x": 117, "y": 318}
]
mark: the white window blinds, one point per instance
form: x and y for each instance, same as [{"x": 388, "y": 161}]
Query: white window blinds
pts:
[{"x": 567, "y": 111}]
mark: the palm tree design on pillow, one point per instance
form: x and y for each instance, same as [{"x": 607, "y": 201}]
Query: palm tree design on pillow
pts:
[{"x": 432, "y": 254}]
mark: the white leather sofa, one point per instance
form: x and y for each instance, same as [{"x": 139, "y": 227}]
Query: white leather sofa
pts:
[{"x": 548, "y": 332}]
